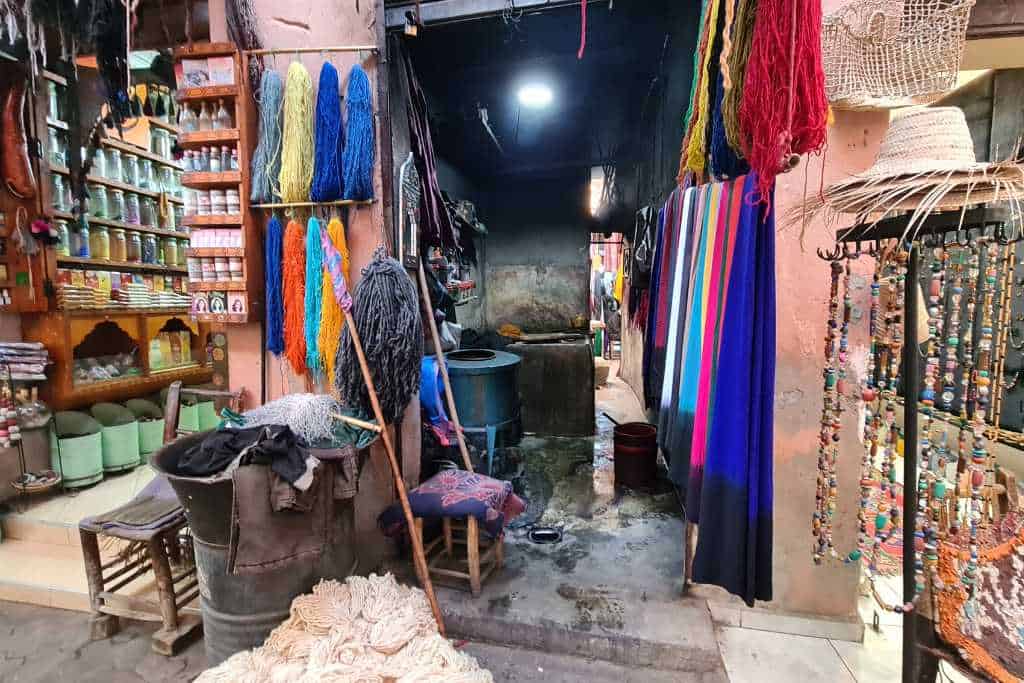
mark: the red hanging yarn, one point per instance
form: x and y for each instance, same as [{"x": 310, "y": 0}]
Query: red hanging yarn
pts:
[
  {"x": 583, "y": 29},
  {"x": 293, "y": 266},
  {"x": 784, "y": 109}
]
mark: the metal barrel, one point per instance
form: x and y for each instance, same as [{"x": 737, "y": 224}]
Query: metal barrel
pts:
[{"x": 240, "y": 611}]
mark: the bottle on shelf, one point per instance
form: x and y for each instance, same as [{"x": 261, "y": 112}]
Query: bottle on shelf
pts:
[
  {"x": 222, "y": 120},
  {"x": 205, "y": 121},
  {"x": 188, "y": 121},
  {"x": 225, "y": 158},
  {"x": 204, "y": 159},
  {"x": 234, "y": 160}
]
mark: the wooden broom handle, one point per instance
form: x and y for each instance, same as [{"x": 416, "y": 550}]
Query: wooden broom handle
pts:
[
  {"x": 419, "y": 557},
  {"x": 452, "y": 411}
]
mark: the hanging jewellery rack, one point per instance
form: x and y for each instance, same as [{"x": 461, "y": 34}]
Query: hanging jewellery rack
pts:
[{"x": 935, "y": 225}]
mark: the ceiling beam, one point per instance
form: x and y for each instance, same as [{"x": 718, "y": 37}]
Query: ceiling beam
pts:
[{"x": 444, "y": 11}]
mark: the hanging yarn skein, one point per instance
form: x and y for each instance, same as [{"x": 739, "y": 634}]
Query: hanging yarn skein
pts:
[
  {"x": 331, "y": 318},
  {"x": 297, "y": 145},
  {"x": 314, "y": 279},
  {"x": 272, "y": 275},
  {"x": 358, "y": 157},
  {"x": 386, "y": 313},
  {"x": 294, "y": 294},
  {"x": 784, "y": 110},
  {"x": 266, "y": 160},
  {"x": 330, "y": 141},
  {"x": 742, "y": 36}
]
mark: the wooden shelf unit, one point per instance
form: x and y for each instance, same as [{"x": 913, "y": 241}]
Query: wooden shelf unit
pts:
[
  {"x": 62, "y": 331},
  {"x": 128, "y": 147},
  {"x": 103, "y": 264},
  {"x": 243, "y": 109}
]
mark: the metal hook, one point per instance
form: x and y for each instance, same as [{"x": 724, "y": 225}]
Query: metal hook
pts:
[
  {"x": 832, "y": 255},
  {"x": 851, "y": 255}
]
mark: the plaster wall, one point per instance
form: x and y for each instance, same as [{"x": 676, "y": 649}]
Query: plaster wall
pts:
[{"x": 306, "y": 23}]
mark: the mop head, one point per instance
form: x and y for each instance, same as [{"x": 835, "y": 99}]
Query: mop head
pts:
[
  {"x": 386, "y": 315},
  {"x": 309, "y": 415},
  {"x": 361, "y": 631}
]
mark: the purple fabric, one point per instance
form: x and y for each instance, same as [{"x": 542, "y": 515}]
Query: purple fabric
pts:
[
  {"x": 332, "y": 262},
  {"x": 457, "y": 493}
]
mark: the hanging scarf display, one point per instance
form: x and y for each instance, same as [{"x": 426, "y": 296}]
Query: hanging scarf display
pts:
[
  {"x": 297, "y": 144},
  {"x": 294, "y": 295},
  {"x": 330, "y": 138}
]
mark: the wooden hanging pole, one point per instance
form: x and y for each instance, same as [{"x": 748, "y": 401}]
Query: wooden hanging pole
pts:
[
  {"x": 418, "y": 555},
  {"x": 453, "y": 412}
]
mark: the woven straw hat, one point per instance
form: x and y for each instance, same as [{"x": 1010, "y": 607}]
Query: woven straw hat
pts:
[
  {"x": 925, "y": 163},
  {"x": 925, "y": 140}
]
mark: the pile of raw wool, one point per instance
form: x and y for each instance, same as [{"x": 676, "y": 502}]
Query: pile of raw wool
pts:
[{"x": 366, "y": 630}]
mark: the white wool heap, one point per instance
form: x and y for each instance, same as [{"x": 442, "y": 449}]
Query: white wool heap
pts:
[
  {"x": 366, "y": 630},
  {"x": 309, "y": 415}
]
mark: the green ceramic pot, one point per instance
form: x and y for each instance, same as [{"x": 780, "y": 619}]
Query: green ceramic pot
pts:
[
  {"x": 121, "y": 447},
  {"x": 80, "y": 459},
  {"x": 151, "y": 436}
]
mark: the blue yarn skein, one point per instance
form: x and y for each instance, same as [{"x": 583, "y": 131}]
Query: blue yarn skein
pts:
[
  {"x": 314, "y": 294},
  {"x": 266, "y": 159},
  {"x": 272, "y": 279},
  {"x": 329, "y": 141},
  {"x": 357, "y": 159}
]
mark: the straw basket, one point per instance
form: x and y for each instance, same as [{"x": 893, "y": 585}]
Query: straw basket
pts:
[{"x": 882, "y": 54}]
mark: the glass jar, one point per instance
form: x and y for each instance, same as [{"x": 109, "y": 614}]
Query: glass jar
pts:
[
  {"x": 234, "y": 160},
  {"x": 179, "y": 187},
  {"x": 98, "y": 200},
  {"x": 99, "y": 164},
  {"x": 179, "y": 217},
  {"x": 118, "y": 245},
  {"x": 99, "y": 243},
  {"x": 146, "y": 179},
  {"x": 130, "y": 168},
  {"x": 133, "y": 247},
  {"x": 166, "y": 178},
  {"x": 115, "y": 205},
  {"x": 53, "y": 95},
  {"x": 182, "y": 251},
  {"x": 160, "y": 142},
  {"x": 114, "y": 169},
  {"x": 150, "y": 249},
  {"x": 147, "y": 211},
  {"x": 58, "y": 194},
  {"x": 57, "y": 148},
  {"x": 169, "y": 247},
  {"x": 80, "y": 241},
  {"x": 63, "y": 245},
  {"x": 131, "y": 208}
]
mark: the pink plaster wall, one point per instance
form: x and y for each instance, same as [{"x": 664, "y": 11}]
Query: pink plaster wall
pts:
[{"x": 802, "y": 282}]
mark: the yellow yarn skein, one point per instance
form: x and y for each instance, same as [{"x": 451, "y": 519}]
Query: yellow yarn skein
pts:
[
  {"x": 331, "y": 318},
  {"x": 297, "y": 142}
]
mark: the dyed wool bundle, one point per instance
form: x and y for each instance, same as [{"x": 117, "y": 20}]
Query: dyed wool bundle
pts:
[
  {"x": 314, "y": 279},
  {"x": 310, "y": 416},
  {"x": 330, "y": 140},
  {"x": 742, "y": 35},
  {"x": 331, "y": 319},
  {"x": 387, "y": 315},
  {"x": 365, "y": 630},
  {"x": 297, "y": 145},
  {"x": 294, "y": 294},
  {"x": 266, "y": 160},
  {"x": 784, "y": 110},
  {"x": 272, "y": 280},
  {"x": 694, "y": 144},
  {"x": 358, "y": 156}
]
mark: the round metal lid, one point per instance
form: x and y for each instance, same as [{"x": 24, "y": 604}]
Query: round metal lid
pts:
[{"x": 480, "y": 361}]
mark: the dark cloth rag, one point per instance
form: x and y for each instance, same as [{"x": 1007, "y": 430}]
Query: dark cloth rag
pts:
[{"x": 274, "y": 445}]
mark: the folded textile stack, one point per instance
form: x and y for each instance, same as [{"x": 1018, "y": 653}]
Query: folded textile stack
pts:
[{"x": 27, "y": 360}]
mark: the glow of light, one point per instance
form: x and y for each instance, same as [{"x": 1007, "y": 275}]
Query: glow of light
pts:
[{"x": 535, "y": 96}]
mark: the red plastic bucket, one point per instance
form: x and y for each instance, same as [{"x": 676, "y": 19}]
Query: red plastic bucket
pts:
[{"x": 636, "y": 455}]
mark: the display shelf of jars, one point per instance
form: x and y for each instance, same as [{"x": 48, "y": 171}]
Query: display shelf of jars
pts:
[
  {"x": 107, "y": 264},
  {"x": 217, "y": 128}
]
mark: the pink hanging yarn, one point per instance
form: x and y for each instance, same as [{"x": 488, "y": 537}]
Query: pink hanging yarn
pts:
[{"x": 784, "y": 110}]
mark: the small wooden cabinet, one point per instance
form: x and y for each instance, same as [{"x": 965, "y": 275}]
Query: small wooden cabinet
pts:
[{"x": 124, "y": 338}]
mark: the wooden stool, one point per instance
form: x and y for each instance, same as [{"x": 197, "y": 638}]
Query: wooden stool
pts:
[
  {"x": 175, "y": 588},
  {"x": 443, "y": 562}
]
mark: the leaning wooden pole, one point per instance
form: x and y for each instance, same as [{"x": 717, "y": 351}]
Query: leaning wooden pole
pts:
[
  {"x": 419, "y": 557},
  {"x": 453, "y": 413}
]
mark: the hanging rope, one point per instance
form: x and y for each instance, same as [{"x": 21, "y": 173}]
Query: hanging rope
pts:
[
  {"x": 314, "y": 279},
  {"x": 358, "y": 155},
  {"x": 329, "y": 138},
  {"x": 272, "y": 276},
  {"x": 266, "y": 160},
  {"x": 784, "y": 110},
  {"x": 331, "y": 319},
  {"x": 297, "y": 145},
  {"x": 294, "y": 294},
  {"x": 386, "y": 313}
]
